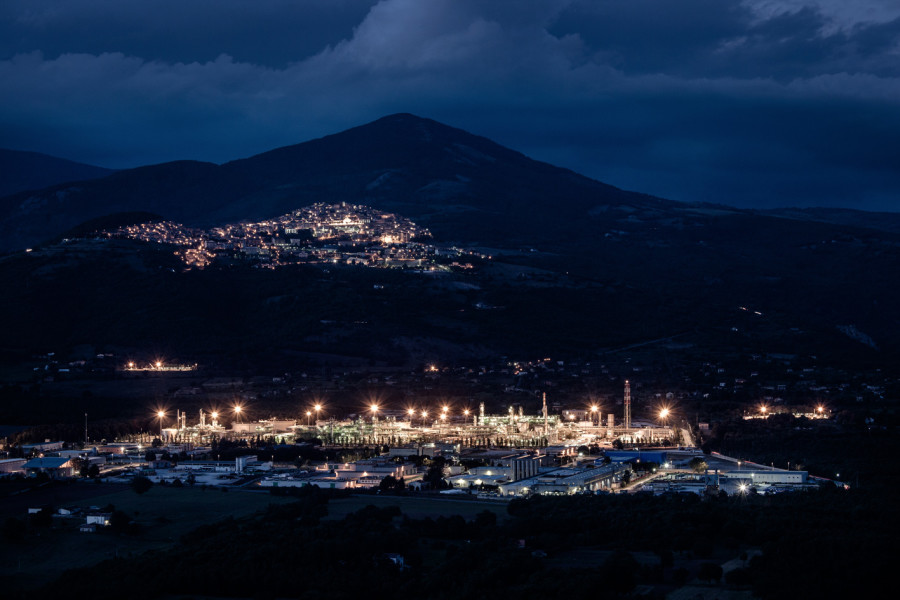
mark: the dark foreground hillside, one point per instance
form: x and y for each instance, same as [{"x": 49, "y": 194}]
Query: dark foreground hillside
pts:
[{"x": 829, "y": 544}]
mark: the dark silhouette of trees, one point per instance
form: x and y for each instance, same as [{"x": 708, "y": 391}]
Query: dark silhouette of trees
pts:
[
  {"x": 141, "y": 484},
  {"x": 13, "y": 530},
  {"x": 698, "y": 465},
  {"x": 709, "y": 572}
]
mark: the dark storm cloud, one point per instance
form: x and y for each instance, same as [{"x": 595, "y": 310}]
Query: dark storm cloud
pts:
[
  {"x": 268, "y": 32},
  {"x": 754, "y": 103},
  {"x": 726, "y": 38}
]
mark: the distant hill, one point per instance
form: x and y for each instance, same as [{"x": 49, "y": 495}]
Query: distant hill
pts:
[
  {"x": 460, "y": 185},
  {"x": 842, "y": 216},
  {"x": 22, "y": 171},
  {"x": 622, "y": 267}
]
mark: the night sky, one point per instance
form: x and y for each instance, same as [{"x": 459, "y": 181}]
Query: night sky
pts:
[{"x": 751, "y": 103}]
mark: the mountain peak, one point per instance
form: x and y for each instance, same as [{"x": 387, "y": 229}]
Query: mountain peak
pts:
[
  {"x": 410, "y": 127},
  {"x": 462, "y": 186}
]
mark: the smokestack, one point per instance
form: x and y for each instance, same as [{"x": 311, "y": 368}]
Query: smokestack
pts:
[
  {"x": 627, "y": 405},
  {"x": 544, "y": 411}
]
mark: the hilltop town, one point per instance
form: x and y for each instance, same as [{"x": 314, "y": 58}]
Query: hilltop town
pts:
[{"x": 321, "y": 233}]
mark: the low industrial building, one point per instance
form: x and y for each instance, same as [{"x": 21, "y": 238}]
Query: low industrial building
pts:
[
  {"x": 11, "y": 466},
  {"x": 644, "y": 456},
  {"x": 54, "y": 466},
  {"x": 760, "y": 480},
  {"x": 46, "y": 446},
  {"x": 367, "y": 473},
  {"x": 567, "y": 481}
]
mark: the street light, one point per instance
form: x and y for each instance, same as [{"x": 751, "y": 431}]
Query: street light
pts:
[
  {"x": 664, "y": 416},
  {"x": 308, "y": 414},
  {"x": 424, "y": 416},
  {"x": 411, "y": 412},
  {"x": 161, "y": 414},
  {"x": 317, "y": 408},
  {"x": 466, "y": 416},
  {"x": 594, "y": 409},
  {"x": 237, "y": 412},
  {"x": 374, "y": 409}
]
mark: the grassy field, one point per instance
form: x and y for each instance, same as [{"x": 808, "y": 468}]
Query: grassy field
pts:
[
  {"x": 165, "y": 513},
  {"x": 417, "y": 507}
]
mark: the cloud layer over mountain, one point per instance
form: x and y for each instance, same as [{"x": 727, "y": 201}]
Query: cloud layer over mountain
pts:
[{"x": 754, "y": 103}]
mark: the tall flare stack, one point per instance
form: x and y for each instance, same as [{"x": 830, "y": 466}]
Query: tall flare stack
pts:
[
  {"x": 546, "y": 428},
  {"x": 627, "y": 405}
]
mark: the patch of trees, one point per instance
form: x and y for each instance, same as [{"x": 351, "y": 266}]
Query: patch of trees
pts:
[{"x": 141, "y": 484}]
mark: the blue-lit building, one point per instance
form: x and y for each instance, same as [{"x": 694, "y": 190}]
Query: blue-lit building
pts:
[{"x": 645, "y": 456}]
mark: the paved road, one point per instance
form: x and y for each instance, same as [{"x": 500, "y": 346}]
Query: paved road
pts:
[{"x": 686, "y": 438}]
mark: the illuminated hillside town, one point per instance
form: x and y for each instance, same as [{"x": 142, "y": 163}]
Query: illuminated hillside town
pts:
[{"x": 319, "y": 234}]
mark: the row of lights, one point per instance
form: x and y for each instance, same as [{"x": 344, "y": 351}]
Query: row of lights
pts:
[
  {"x": 374, "y": 408},
  {"x": 411, "y": 412},
  {"x": 764, "y": 410},
  {"x": 663, "y": 412},
  {"x": 156, "y": 365}
]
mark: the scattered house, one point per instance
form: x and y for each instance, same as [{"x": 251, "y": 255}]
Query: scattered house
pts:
[
  {"x": 88, "y": 528},
  {"x": 69, "y": 511},
  {"x": 397, "y": 559},
  {"x": 100, "y": 518}
]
